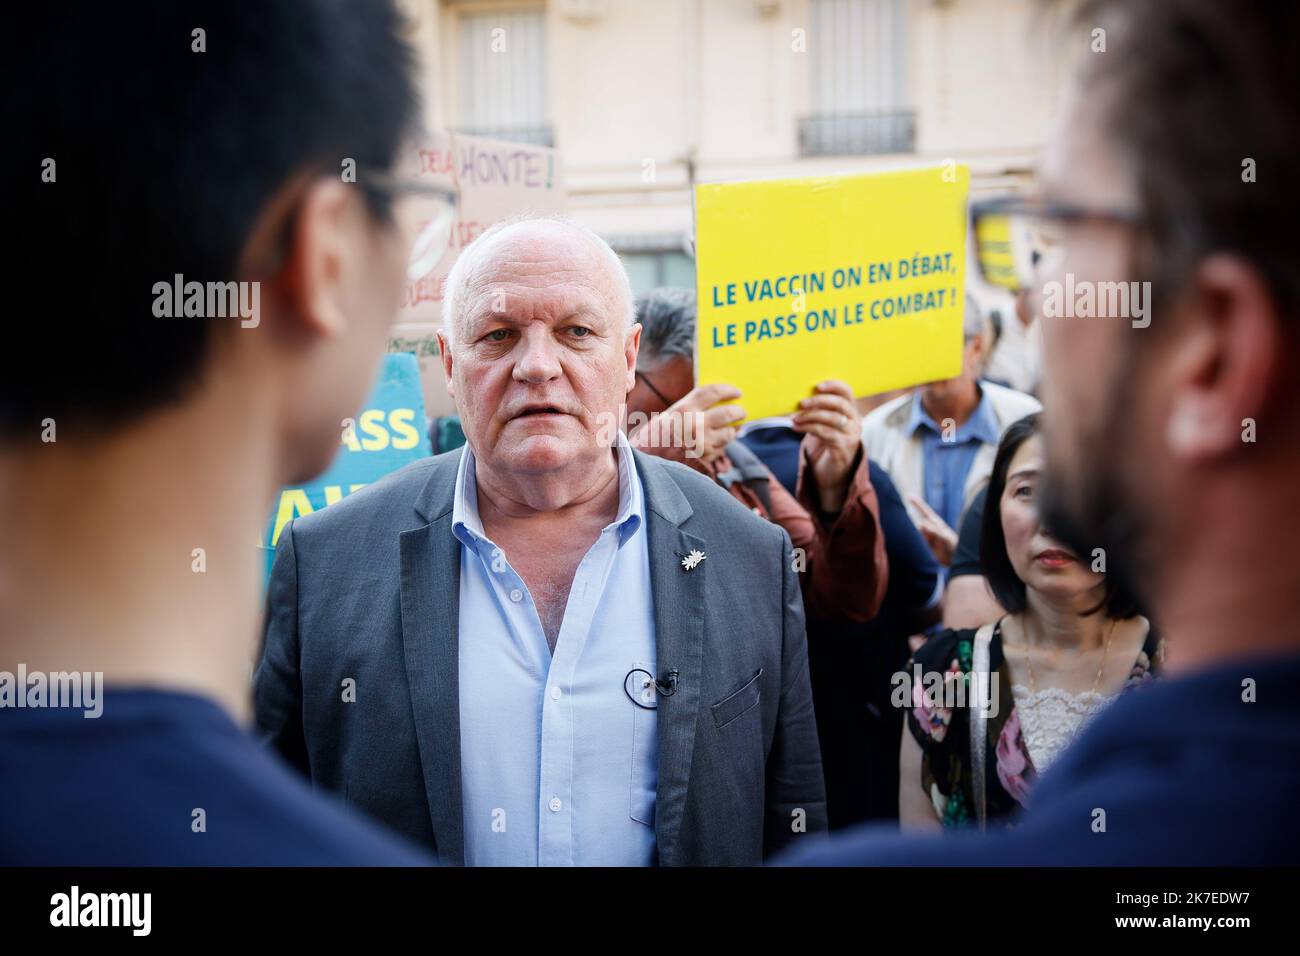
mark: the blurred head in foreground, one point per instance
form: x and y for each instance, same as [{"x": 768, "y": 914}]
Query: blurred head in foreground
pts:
[
  {"x": 206, "y": 291},
  {"x": 204, "y": 297},
  {"x": 1171, "y": 436},
  {"x": 216, "y": 154}
]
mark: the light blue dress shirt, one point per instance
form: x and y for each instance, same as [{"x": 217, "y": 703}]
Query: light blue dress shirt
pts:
[
  {"x": 947, "y": 463},
  {"x": 558, "y": 765}
]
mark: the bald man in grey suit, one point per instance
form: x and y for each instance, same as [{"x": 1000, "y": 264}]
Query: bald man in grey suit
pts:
[{"x": 559, "y": 650}]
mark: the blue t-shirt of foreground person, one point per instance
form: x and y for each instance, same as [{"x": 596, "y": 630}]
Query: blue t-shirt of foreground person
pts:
[{"x": 163, "y": 778}]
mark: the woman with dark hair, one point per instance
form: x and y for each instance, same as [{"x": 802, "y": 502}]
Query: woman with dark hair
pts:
[{"x": 1072, "y": 640}]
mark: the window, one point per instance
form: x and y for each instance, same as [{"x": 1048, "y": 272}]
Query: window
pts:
[
  {"x": 503, "y": 75},
  {"x": 649, "y": 269},
  {"x": 858, "y": 57}
]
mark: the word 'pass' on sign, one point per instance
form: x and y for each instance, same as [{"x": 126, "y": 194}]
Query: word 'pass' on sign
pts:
[
  {"x": 856, "y": 277},
  {"x": 388, "y": 433}
]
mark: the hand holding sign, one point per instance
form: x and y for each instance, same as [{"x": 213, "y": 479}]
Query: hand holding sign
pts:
[
  {"x": 834, "y": 435},
  {"x": 705, "y": 427}
]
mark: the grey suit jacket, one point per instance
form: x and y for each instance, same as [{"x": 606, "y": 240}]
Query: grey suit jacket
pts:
[{"x": 368, "y": 589}]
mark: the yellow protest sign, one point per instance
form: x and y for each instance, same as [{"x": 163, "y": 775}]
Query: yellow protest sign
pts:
[
  {"x": 996, "y": 251},
  {"x": 856, "y": 277}
]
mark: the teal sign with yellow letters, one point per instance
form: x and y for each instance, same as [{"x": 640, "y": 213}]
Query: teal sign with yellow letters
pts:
[{"x": 389, "y": 432}]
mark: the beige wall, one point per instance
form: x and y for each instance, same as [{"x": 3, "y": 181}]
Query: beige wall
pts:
[{"x": 636, "y": 81}]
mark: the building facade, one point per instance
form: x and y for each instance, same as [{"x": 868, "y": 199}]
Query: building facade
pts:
[{"x": 644, "y": 98}]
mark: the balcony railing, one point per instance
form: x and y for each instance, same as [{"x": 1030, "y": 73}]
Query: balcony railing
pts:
[{"x": 857, "y": 134}]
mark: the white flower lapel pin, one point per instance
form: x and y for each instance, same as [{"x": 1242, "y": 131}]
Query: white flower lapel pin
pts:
[{"x": 691, "y": 561}]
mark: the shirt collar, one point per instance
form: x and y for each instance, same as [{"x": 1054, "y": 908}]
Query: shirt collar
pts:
[
  {"x": 468, "y": 526},
  {"x": 981, "y": 426},
  {"x": 916, "y": 415}
]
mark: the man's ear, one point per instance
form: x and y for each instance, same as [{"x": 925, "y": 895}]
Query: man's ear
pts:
[
  {"x": 444, "y": 353},
  {"x": 1228, "y": 362},
  {"x": 631, "y": 346},
  {"x": 308, "y": 284}
]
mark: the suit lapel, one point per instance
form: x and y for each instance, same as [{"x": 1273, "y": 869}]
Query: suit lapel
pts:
[
  {"x": 679, "y": 641},
  {"x": 430, "y": 596}
]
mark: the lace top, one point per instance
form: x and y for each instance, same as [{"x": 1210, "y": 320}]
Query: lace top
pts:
[
  {"x": 1052, "y": 717},
  {"x": 1026, "y": 733}
]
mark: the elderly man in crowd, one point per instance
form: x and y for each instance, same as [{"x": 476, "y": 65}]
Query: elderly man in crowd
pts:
[
  {"x": 541, "y": 649},
  {"x": 938, "y": 442},
  {"x": 833, "y": 517}
]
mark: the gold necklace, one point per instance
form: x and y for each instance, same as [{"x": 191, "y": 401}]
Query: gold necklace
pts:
[{"x": 1105, "y": 650}]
